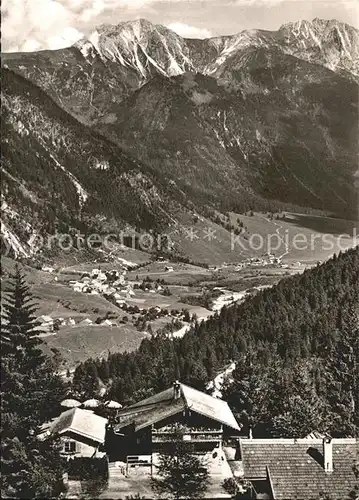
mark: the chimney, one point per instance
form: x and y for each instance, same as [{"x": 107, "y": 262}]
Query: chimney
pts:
[
  {"x": 328, "y": 454},
  {"x": 176, "y": 390}
]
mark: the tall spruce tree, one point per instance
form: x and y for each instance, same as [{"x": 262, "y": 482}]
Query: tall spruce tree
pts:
[
  {"x": 180, "y": 473},
  {"x": 30, "y": 395}
]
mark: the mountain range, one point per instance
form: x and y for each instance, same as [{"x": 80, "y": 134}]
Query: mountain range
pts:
[{"x": 135, "y": 126}]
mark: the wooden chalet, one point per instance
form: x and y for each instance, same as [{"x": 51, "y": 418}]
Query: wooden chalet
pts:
[{"x": 143, "y": 428}]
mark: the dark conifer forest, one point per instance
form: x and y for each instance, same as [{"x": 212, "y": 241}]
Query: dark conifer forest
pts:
[{"x": 297, "y": 351}]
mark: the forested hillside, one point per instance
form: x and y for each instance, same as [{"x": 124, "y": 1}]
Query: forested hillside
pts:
[
  {"x": 58, "y": 174},
  {"x": 296, "y": 347}
]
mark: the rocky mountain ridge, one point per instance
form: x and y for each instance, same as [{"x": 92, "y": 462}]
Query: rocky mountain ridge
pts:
[
  {"x": 332, "y": 44},
  {"x": 258, "y": 120},
  {"x": 128, "y": 55}
]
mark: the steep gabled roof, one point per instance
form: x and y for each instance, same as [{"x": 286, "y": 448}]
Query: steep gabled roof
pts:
[
  {"x": 160, "y": 397},
  {"x": 209, "y": 406},
  {"x": 164, "y": 404},
  {"x": 295, "y": 467},
  {"x": 81, "y": 422}
]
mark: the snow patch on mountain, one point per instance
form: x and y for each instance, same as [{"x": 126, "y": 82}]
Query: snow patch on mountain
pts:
[
  {"x": 153, "y": 62},
  {"x": 11, "y": 214},
  {"x": 94, "y": 38},
  {"x": 332, "y": 44},
  {"x": 102, "y": 165}
]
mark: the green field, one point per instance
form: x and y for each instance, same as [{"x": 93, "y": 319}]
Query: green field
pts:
[
  {"x": 298, "y": 237},
  {"x": 204, "y": 241},
  {"x": 78, "y": 343},
  {"x": 52, "y": 296},
  {"x": 33, "y": 276},
  {"x": 182, "y": 274}
]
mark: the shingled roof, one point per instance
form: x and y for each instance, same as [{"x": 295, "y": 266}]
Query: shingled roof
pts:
[
  {"x": 295, "y": 468},
  {"x": 83, "y": 423},
  {"x": 165, "y": 404}
]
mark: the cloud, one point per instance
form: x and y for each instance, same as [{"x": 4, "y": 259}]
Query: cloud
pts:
[
  {"x": 51, "y": 24},
  {"x": 37, "y": 24},
  {"x": 188, "y": 31},
  {"x": 30, "y": 25}
]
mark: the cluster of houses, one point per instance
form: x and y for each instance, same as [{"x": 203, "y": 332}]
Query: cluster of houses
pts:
[
  {"x": 111, "y": 284},
  {"x": 267, "y": 259},
  {"x": 148, "y": 287},
  {"x": 48, "y": 325},
  {"x": 316, "y": 466}
]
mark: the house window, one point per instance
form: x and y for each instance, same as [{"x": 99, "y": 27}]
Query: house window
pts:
[{"x": 69, "y": 446}]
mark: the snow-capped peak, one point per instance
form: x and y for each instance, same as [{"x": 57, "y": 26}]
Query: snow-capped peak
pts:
[
  {"x": 140, "y": 45},
  {"x": 331, "y": 43},
  {"x": 154, "y": 49}
]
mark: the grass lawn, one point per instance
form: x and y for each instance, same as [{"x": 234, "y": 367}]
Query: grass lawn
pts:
[
  {"x": 182, "y": 274},
  {"x": 210, "y": 243},
  {"x": 54, "y": 294},
  {"x": 33, "y": 276}
]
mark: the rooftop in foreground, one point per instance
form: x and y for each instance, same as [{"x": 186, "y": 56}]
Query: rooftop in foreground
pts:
[{"x": 296, "y": 468}]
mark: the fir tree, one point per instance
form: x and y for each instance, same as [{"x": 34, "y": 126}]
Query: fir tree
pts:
[
  {"x": 299, "y": 410},
  {"x": 181, "y": 474},
  {"x": 86, "y": 381},
  {"x": 20, "y": 338},
  {"x": 30, "y": 395}
]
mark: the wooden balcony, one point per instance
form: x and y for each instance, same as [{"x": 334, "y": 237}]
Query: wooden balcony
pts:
[{"x": 198, "y": 436}]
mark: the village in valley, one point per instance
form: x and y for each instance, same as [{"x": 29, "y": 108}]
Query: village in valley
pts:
[
  {"x": 118, "y": 288},
  {"x": 134, "y": 299}
]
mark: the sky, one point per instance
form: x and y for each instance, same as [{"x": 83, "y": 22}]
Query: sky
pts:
[{"x": 29, "y": 25}]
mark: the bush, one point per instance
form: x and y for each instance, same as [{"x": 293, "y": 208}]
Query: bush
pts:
[
  {"x": 85, "y": 468},
  {"x": 231, "y": 487}
]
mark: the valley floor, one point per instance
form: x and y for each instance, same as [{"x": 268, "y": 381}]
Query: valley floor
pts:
[{"x": 95, "y": 315}]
